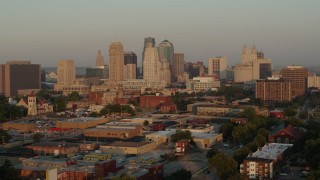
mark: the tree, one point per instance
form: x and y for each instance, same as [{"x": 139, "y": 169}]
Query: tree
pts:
[
  {"x": 93, "y": 114},
  {"x": 249, "y": 113},
  {"x": 124, "y": 177},
  {"x": 212, "y": 152},
  {"x": 8, "y": 172},
  {"x": 263, "y": 132},
  {"x": 225, "y": 165},
  {"x": 240, "y": 154},
  {"x": 289, "y": 112},
  {"x": 74, "y": 96},
  {"x": 60, "y": 103},
  {"x": 3, "y": 108},
  {"x": 37, "y": 137},
  {"x": 226, "y": 130},
  {"x": 180, "y": 174},
  {"x": 146, "y": 123},
  {"x": 303, "y": 115},
  {"x": 294, "y": 122},
  {"x": 181, "y": 135},
  {"x": 5, "y": 136}
]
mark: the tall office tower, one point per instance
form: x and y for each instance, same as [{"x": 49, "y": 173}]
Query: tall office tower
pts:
[
  {"x": 151, "y": 63},
  {"x": 194, "y": 69},
  {"x": 166, "y": 50},
  {"x": 66, "y": 73},
  {"x": 146, "y": 41},
  {"x": 297, "y": 75},
  {"x": 253, "y": 65},
  {"x": 164, "y": 71},
  {"x": 130, "y": 65},
  {"x": 178, "y": 64},
  {"x": 19, "y": 75},
  {"x": 99, "y": 59},
  {"x": 116, "y": 61},
  {"x": 273, "y": 90},
  {"x": 218, "y": 65}
]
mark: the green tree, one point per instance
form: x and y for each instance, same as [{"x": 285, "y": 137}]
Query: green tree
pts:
[
  {"x": 180, "y": 174},
  {"x": 226, "y": 130},
  {"x": 263, "y": 132},
  {"x": 249, "y": 113},
  {"x": 240, "y": 154},
  {"x": 93, "y": 114},
  {"x": 294, "y": 122},
  {"x": 124, "y": 177},
  {"x": 289, "y": 112},
  {"x": 8, "y": 172},
  {"x": 4, "y": 135},
  {"x": 179, "y": 135},
  {"x": 60, "y": 103},
  {"x": 225, "y": 165},
  {"x": 303, "y": 114},
  {"x": 3, "y": 108},
  {"x": 74, "y": 96},
  {"x": 146, "y": 123},
  {"x": 212, "y": 152},
  {"x": 37, "y": 137}
]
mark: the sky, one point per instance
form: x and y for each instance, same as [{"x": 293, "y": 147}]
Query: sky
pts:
[{"x": 44, "y": 32}]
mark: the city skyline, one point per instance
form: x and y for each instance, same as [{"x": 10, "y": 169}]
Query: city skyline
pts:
[{"x": 286, "y": 31}]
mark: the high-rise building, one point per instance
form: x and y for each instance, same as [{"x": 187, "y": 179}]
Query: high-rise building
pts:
[
  {"x": 253, "y": 65},
  {"x": 130, "y": 65},
  {"x": 116, "y": 61},
  {"x": 164, "y": 71},
  {"x": 19, "y": 75},
  {"x": 314, "y": 81},
  {"x": 218, "y": 65},
  {"x": 166, "y": 50},
  {"x": 99, "y": 59},
  {"x": 273, "y": 90},
  {"x": 151, "y": 63},
  {"x": 297, "y": 75},
  {"x": 66, "y": 73},
  {"x": 178, "y": 64},
  {"x": 146, "y": 41},
  {"x": 195, "y": 69}
]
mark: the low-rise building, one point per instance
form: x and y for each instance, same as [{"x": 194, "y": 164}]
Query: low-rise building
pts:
[
  {"x": 206, "y": 140},
  {"x": 152, "y": 101},
  {"x": 21, "y": 125},
  {"x": 182, "y": 146},
  {"x": 288, "y": 135},
  {"x": 202, "y": 84},
  {"x": 121, "y": 147},
  {"x": 263, "y": 163},
  {"x": 160, "y": 136},
  {"x": 54, "y": 148},
  {"x": 81, "y": 122}
]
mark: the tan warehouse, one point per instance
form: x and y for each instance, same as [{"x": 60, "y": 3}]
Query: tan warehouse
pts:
[
  {"x": 81, "y": 123},
  {"x": 129, "y": 147}
]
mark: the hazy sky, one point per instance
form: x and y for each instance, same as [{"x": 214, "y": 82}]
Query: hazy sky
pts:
[{"x": 288, "y": 31}]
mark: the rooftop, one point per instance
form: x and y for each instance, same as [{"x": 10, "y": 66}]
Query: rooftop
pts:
[
  {"x": 81, "y": 119},
  {"x": 271, "y": 151},
  {"x": 128, "y": 144},
  {"x": 204, "y": 135}
]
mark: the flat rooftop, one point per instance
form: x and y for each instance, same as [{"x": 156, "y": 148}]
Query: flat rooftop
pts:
[
  {"x": 271, "y": 151},
  {"x": 81, "y": 119},
  {"x": 204, "y": 135},
  {"x": 128, "y": 144},
  {"x": 162, "y": 133}
]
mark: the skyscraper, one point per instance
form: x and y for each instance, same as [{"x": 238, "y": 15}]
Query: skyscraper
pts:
[
  {"x": 253, "y": 65},
  {"x": 66, "y": 73},
  {"x": 19, "y": 75},
  {"x": 297, "y": 75},
  {"x": 146, "y": 41},
  {"x": 99, "y": 59},
  {"x": 166, "y": 50},
  {"x": 151, "y": 63},
  {"x": 178, "y": 64},
  {"x": 164, "y": 71},
  {"x": 130, "y": 65},
  {"x": 218, "y": 65},
  {"x": 116, "y": 61}
]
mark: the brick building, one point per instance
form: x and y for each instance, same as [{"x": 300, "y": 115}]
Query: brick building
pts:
[
  {"x": 263, "y": 164},
  {"x": 297, "y": 75},
  {"x": 288, "y": 135},
  {"x": 274, "y": 90},
  {"x": 152, "y": 101}
]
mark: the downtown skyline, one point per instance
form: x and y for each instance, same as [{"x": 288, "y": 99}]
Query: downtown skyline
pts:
[{"x": 46, "y": 32}]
